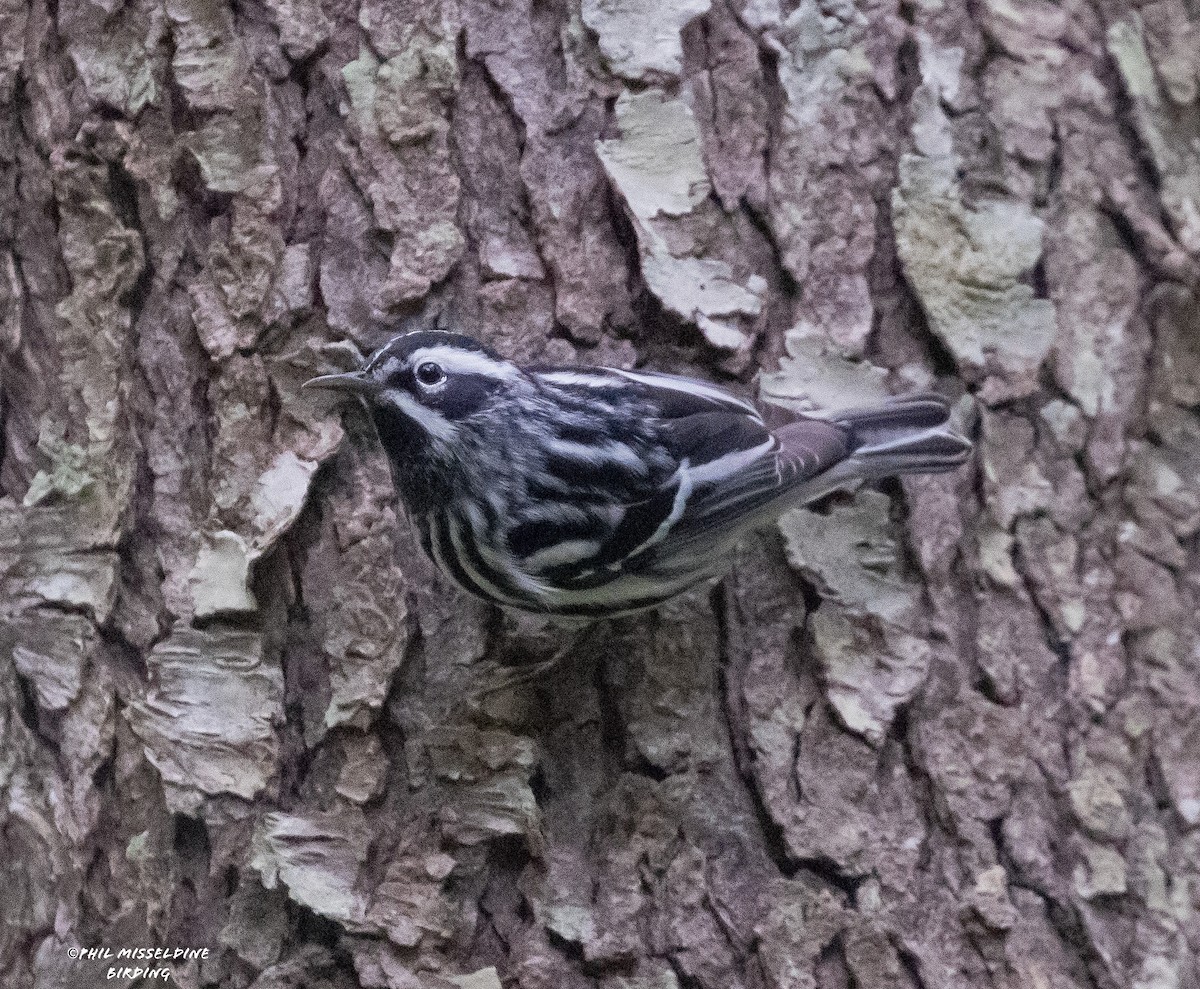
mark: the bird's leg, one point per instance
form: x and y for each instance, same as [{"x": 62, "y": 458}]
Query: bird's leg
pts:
[{"x": 511, "y": 677}]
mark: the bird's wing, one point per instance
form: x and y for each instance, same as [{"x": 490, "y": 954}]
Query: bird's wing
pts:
[
  {"x": 737, "y": 474},
  {"x": 730, "y": 468},
  {"x": 730, "y": 464}
]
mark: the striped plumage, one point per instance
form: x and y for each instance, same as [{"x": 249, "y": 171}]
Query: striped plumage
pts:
[{"x": 588, "y": 492}]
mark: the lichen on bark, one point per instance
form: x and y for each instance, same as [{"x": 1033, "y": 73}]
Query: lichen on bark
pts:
[{"x": 942, "y": 733}]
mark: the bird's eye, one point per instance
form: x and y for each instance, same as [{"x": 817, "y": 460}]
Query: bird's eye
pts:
[{"x": 430, "y": 374}]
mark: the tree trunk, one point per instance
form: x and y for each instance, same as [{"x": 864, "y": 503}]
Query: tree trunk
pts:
[{"x": 944, "y": 734}]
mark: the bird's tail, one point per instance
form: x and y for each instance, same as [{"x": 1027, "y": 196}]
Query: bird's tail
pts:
[
  {"x": 908, "y": 434},
  {"x": 904, "y": 435}
]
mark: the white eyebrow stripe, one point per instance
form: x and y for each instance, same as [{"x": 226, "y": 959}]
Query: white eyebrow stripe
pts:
[
  {"x": 434, "y": 424},
  {"x": 454, "y": 360}
]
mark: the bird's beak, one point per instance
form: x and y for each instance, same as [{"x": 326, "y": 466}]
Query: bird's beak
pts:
[{"x": 352, "y": 381}]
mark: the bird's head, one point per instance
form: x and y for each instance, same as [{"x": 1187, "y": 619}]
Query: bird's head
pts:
[{"x": 420, "y": 387}]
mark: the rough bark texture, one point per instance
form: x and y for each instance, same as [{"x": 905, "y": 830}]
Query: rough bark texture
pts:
[{"x": 944, "y": 735}]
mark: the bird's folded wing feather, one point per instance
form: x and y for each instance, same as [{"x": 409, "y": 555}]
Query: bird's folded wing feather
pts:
[
  {"x": 730, "y": 466},
  {"x": 735, "y": 475}
]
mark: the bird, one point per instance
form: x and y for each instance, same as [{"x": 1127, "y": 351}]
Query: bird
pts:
[{"x": 587, "y": 493}]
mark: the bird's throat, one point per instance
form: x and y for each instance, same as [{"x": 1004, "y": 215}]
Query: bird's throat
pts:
[{"x": 417, "y": 472}]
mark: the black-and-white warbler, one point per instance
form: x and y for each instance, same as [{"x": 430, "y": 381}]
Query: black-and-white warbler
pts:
[{"x": 590, "y": 492}]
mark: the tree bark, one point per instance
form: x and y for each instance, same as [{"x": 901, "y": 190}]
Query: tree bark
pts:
[{"x": 945, "y": 734}]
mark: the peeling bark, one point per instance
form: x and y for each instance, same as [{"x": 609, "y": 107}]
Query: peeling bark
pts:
[{"x": 943, "y": 735}]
